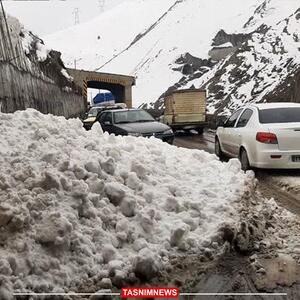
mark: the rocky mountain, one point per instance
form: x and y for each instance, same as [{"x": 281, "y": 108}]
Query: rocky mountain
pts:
[{"x": 264, "y": 65}]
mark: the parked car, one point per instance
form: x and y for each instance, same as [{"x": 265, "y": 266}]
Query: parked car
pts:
[
  {"x": 95, "y": 110},
  {"x": 134, "y": 122},
  {"x": 262, "y": 136}
]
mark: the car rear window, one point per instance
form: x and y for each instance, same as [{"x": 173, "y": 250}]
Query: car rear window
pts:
[{"x": 279, "y": 115}]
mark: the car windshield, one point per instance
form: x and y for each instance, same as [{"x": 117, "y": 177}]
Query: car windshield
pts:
[
  {"x": 132, "y": 116},
  {"x": 93, "y": 112},
  {"x": 279, "y": 115}
]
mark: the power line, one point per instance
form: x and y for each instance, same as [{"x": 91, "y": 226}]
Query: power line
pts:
[
  {"x": 76, "y": 16},
  {"x": 101, "y": 4}
]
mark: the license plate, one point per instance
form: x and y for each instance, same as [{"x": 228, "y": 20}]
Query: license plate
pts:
[{"x": 296, "y": 158}]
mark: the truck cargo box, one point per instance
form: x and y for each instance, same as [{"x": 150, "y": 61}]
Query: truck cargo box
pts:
[{"x": 186, "y": 109}]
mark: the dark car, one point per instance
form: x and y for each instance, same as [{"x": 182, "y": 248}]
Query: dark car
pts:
[
  {"x": 95, "y": 110},
  {"x": 134, "y": 122}
]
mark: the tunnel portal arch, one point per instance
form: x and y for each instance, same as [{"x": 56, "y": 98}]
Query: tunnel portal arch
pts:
[
  {"x": 119, "y": 85},
  {"x": 117, "y": 90}
]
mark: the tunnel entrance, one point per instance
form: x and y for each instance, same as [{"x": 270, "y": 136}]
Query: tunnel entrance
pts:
[
  {"x": 116, "y": 89},
  {"x": 119, "y": 85}
]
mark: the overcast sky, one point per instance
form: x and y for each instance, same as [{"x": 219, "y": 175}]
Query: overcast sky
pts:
[{"x": 45, "y": 17}]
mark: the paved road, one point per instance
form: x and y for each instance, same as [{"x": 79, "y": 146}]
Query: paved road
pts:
[
  {"x": 196, "y": 141},
  {"x": 231, "y": 274},
  {"x": 267, "y": 186}
]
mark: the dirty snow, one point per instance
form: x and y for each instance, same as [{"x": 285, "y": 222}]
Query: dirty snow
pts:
[{"x": 76, "y": 205}]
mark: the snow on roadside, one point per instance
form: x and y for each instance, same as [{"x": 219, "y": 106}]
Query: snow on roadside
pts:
[
  {"x": 290, "y": 183},
  {"x": 76, "y": 205}
]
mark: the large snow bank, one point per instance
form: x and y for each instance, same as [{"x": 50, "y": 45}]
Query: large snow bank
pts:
[{"x": 76, "y": 205}]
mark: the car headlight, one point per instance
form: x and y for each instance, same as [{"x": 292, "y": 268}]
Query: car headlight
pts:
[
  {"x": 136, "y": 134},
  {"x": 169, "y": 131}
]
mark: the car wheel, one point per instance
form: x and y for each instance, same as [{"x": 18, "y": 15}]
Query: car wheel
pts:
[
  {"x": 218, "y": 150},
  {"x": 244, "y": 160}
]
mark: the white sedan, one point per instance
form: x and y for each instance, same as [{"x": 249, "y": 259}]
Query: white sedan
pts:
[{"x": 262, "y": 136}]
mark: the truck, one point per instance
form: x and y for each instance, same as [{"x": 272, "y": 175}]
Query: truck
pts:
[{"x": 185, "y": 110}]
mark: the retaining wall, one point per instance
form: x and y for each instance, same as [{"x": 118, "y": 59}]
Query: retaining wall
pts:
[{"x": 26, "y": 82}]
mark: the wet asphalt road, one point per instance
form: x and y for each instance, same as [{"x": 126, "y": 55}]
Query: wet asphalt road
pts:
[
  {"x": 266, "y": 184},
  {"x": 195, "y": 141},
  {"x": 233, "y": 272}
]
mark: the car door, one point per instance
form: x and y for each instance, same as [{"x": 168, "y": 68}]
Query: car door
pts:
[
  {"x": 240, "y": 131},
  {"x": 226, "y": 133}
]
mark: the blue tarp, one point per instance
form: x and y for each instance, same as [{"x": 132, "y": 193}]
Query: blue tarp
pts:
[{"x": 103, "y": 98}]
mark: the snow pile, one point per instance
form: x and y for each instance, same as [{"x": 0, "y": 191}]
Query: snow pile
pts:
[
  {"x": 289, "y": 183},
  {"x": 274, "y": 229},
  {"x": 31, "y": 43},
  {"x": 76, "y": 205}
]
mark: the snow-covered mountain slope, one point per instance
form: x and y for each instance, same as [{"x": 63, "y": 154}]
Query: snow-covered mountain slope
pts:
[
  {"x": 240, "y": 51},
  {"x": 264, "y": 67},
  {"x": 166, "y": 29},
  {"x": 102, "y": 38},
  {"x": 46, "y": 17}
]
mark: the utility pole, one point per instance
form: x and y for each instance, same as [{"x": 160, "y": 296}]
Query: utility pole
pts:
[
  {"x": 75, "y": 62},
  {"x": 76, "y": 16},
  {"x": 101, "y": 4}
]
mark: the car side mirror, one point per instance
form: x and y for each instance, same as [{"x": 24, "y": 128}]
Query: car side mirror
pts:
[{"x": 107, "y": 123}]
